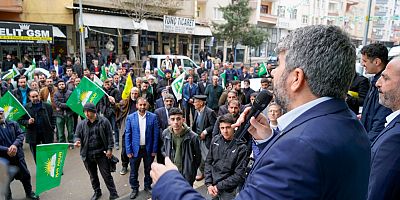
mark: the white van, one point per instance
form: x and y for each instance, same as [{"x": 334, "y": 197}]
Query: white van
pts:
[
  {"x": 394, "y": 51},
  {"x": 156, "y": 60}
]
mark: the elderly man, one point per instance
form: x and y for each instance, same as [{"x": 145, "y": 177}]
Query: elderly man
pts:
[
  {"x": 321, "y": 150},
  {"x": 384, "y": 179}
]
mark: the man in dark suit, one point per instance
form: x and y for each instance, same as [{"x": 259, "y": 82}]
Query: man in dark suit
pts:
[
  {"x": 374, "y": 58},
  {"x": 203, "y": 124},
  {"x": 203, "y": 83},
  {"x": 58, "y": 68},
  {"x": 141, "y": 139},
  {"x": 320, "y": 150},
  {"x": 160, "y": 101},
  {"x": 162, "y": 116},
  {"x": 358, "y": 91},
  {"x": 384, "y": 181},
  {"x": 189, "y": 90}
]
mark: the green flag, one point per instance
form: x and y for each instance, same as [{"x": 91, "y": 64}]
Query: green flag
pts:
[
  {"x": 161, "y": 73},
  {"x": 49, "y": 165},
  {"x": 103, "y": 75},
  {"x": 30, "y": 71},
  {"x": 177, "y": 86},
  {"x": 13, "y": 109},
  {"x": 175, "y": 73},
  {"x": 223, "y": 77},
  {"x": 85, "y": 92},
  {"x": 263, "y": 70}
]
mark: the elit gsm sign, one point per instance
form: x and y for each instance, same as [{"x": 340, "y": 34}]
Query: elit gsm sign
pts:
[{"x": 25, "y": 33}]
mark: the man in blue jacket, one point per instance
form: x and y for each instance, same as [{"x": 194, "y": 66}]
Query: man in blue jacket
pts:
[
  {"x": 374, "y": 58},
  {"x": 141, "y": 142},
  {"x": 189, "y": 90},
  {"x": 384, "y": 181},
  {"x": 320, "y": 150}
]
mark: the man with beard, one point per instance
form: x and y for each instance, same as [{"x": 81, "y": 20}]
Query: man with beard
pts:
[
  {"x": 162, "y": 115},
  {"x": 40, "y": 126},
  {"x": 233, "y": 109},
  {"x": 11, "y": 141},
  {"x": 247, "y": 91},
  {"x": 42, "y": 81},
  {"x": 141, "y": 139},
  {"x": 46, "y": 94},
  {"x": 213, "y": 93},
  {"x": 181, "y": 145},
  {"x": 232, "y": 95},
  {"x": 63, "y": 113},
  {"x": 384, "y": 179},
  {"x": 124, "y": 108},
  {"x": 321, "y": 150},
  {"x": 22, "y": 92},
  {"x": 374, "y": 58}
]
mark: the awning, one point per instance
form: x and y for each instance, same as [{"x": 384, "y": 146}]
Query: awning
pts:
[
  {"x": 58, "y": 33},
  {"x": 110, "y": 21},
  {"x": 202, "y": 30}
]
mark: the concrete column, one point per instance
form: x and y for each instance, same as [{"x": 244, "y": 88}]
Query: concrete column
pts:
[
  {"x": 71, "y": 41},
  {"x": 119, "y": 48},
  {"x": 177, "y": 44},
  {"x": 160, "y": 43},
  {"x": 225, "y": 51}
]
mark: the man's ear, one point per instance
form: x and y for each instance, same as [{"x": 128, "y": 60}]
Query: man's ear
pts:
[{"x": 296, "y": 79}]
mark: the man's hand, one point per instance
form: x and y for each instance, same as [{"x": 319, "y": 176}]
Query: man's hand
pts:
[
  {"x": 202, "y": 135},
  {"x": 212, "y": 190},
  {"x": 157, "y": 170},
  {"x": 130, "y": 155},
  {"x": 109, "y": 154},
  {"x": 111, "y": 99},
  {"x": 12, "y": 150},
  {"x": 77, "y": 143},
  {"x": 31, "y": 121},
  {"x": 259, "y": 128}
]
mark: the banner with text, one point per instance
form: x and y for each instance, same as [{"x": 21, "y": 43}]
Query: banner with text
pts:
[
  {"x": 173, "y": 24},
  {"x": 11, "y": 32}
]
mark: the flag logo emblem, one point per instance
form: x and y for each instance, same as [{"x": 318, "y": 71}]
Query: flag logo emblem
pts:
[
  {"x": 85, "y": 97},
  {"x": 50, "y": 166}
]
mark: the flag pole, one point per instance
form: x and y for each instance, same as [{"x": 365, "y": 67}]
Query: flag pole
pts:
[{"x": 23, "y": 107}]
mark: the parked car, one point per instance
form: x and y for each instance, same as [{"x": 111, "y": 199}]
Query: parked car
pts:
[{"x": 156, "y": 61}]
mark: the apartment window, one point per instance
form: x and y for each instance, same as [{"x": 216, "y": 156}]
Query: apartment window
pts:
[
  {"x": 304, "y": 19},
  {"x": 264, "y": 9},
  {"x": 218, "y": 14},
  {"x": 332, "y": 7},
  {"x": 293, "y": 14},
  {"x": 281, "y": 11}
]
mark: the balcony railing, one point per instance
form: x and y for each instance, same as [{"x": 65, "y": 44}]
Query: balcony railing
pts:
[{"x": 267, "y": 18}]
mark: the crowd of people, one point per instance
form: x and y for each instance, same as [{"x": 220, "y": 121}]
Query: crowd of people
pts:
[{"x": 307, "y": 144}]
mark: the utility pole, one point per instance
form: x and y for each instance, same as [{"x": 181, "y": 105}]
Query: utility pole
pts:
[
  {"x": 367, "y": 19},
  {"x": 82, "y": 38}
]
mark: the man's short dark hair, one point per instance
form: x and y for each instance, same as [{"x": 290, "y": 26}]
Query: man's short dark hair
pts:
[
  {"x": 175, "y": 111},
  {"x": 233, "y": 91},
  {"x": 246, "y": 80},
  {"x": 376, "y": 50},
  {"x": 235, "y": 82},
  {"x": 69, "y": 67},
  {"x": 227, "y": 118},
  {"x": 264, "y": 80}
]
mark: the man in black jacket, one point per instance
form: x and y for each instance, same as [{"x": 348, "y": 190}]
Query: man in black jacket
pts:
[
  {"x": 63, "y": 113},
  {"x": 357, "y": 92},
  {"x": 181, "y": 145},
  {"x": 11, "y": 141},
  {"x": 226, "y": 161},
  {"x": 40, "y": 125},
  {"x": 94, "y": 136},
  {"x": 106, "y": 107}
]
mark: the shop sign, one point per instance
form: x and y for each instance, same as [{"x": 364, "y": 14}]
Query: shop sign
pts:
[
  {"x": 173, "y": 24},
  {"x": 11, "y": 32}
]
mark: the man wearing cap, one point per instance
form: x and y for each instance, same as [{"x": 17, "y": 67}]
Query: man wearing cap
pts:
[
  {"x": 94, "y": 136},
  {"x": 63, "y": 113},
  {"x": 162, "y": 116},
  {"x": 203, "y": 124},
  {"x": 11, "y": 141},
  {"x": 160, "y": 101}
]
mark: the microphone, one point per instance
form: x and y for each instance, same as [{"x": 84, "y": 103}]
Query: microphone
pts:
[{"x": 260, "y": 103}]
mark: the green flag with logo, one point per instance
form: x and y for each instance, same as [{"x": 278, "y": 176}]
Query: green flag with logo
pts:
[
  {"x": 177, "y": 86},
  {"x": 223, "y": 79},
  {"x": 103, "y": 75},
  {"x": 13, "y": 109},
  {"x": 49, "y": 165},
  {"x": 161, "y": 73},
  {"x": 263, "y": 70},
  {"x": 85, "y": 92}
]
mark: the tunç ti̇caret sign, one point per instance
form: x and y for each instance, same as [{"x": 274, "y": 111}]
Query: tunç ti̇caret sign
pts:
[
  {"x": 11, "y": 32},
  {"x": 173, "y": 24}
]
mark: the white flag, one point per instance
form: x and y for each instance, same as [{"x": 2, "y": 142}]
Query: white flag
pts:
[{"x": 177, "y": 86}]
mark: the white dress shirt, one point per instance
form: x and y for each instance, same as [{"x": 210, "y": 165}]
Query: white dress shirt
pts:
[
  {"x": 142, "y": 128},
  {"x": 391, "y": 117}
]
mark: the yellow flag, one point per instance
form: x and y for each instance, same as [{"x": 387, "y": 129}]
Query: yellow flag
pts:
[{"x": 128, "y": 86}]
